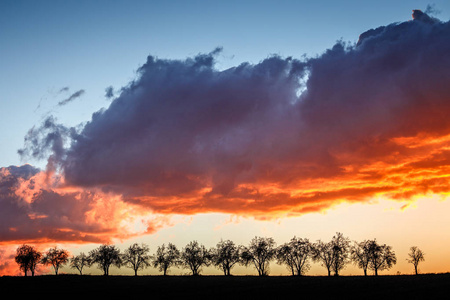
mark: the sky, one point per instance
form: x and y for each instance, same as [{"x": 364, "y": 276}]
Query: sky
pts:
[{"x": 173, "y": 121}]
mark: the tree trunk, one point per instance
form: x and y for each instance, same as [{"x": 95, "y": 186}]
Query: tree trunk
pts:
[
  {"x": 365, "y": 272},
  {"x": 376, "y": 271},
  {"x": 415, "y": 268},
  {"x": 135, "y": 272},
  {"x": 329, "y": 272}
]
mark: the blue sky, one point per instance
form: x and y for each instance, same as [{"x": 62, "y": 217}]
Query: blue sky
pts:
[{"x": 90, "y": 45}]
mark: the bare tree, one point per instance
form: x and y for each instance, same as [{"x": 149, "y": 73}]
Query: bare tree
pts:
[
  {"x": 194, "y": 256},
  {"x": 360, "y": 255},
  {"x": 260, "y": 252},
  {"x": 341, "y": 250},
  {"x": 415, "y": 257},
  {"x": 225, "y": 256},
  {"x": 295, "y": 255},
  {"x": 105, "y": 256},
  {"x": 27, "y": 257},
  {"x": 79, "y": 262},
  {"x": 136, "y": 257},
  {"x": 381, "y": 257},
  {"x": 166, "y": 257},
  {"x": 55, "y": 257},
  {"x": 323, "y": 252}
]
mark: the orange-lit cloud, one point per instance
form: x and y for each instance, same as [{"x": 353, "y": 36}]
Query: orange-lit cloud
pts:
[{"x": 38, "y": 210}]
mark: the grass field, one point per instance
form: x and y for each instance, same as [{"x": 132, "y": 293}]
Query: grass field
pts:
[{"x": 428, "y": 286}]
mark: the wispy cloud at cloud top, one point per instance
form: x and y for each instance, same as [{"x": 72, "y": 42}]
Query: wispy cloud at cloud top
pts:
[{"x": 72, "y": 97}]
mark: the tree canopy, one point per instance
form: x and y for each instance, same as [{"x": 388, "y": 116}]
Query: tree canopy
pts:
[
  {"x": 55, "y": 257},
  {"x": 194, "y": 256},
  {"x": 295, "y": 255},
  {"x": 225, "y": 256},
  {"x": 136, "y": 257},
  {"x": 27, "y": 257},
  {"x": 105, "y": 256},
  {"x": 166, "y": 257},
  {"x": 260, "y": 252}
]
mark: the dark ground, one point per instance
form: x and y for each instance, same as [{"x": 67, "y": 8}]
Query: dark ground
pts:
[{"x": 428, "y": 286}]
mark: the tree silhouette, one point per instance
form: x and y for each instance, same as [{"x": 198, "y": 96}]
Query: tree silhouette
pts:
[
  {"x": 295, "y": 255},
  {"x": 55, "y": 257},
  {"x": 105, "y": 256},
  {"x": 136, "y": 257},
  {"x": 166, "y": 257},
  {"x": 323, "y": 252},
  {"x": 27, "y": 257},
  {"x": 225, "y": 256},
  {"x": 194, "y": 256},
  {"x": 381, "y": 257},
  {"x": 360, "y": 255},
  {"x": 79, "y": 262},
  {"x": 260, "y": 252},
  {"x": 415, "y": 257},
  {"x": 340, "y": 249}
]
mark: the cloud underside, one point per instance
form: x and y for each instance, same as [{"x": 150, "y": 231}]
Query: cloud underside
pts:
[{"x": 281, "y": 137}]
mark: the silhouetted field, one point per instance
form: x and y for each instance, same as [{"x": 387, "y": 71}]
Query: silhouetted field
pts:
[{"x": 429, "y": 286}]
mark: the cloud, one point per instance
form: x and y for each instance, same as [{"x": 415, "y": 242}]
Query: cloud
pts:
[
  {"x": 36, "y": 209},
  {"x": 64, "y": 89},
  {"x": 72, "y": 97},
  {"x": 109, "y": 92},
  {"x": 280, "y": 136}
]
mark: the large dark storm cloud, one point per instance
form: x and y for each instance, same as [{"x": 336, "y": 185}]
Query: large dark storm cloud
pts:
[{"x": 186, "y": 137}]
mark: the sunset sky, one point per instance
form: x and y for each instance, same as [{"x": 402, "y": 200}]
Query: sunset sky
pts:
[{"x": 173, "y": 121}]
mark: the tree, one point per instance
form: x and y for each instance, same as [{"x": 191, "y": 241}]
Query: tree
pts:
[
  {"x": 340, "y": 249},
  {"x": 323, "y": 252},
  {"x": 136, "y": 257},
  {"x": 194, "y": 256},
  {"x": 27, "y": 257},
  {"x": 360, "y": 255},
  {"x": 415, "y": 257},
  {"x": 225, "y": 256},
  {"x": 55, "y": 257},
  {"x": 105, "y": 256},
  {"x": 381, "y": 257},
  {"x": 295, "y": 255},
  {"x": 260, "y": 252},
  {"x": 79, "y": 262},
  {"x": 166, "y": 257}
]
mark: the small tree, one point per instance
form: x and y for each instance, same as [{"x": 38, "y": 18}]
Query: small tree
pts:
[
  {"x": 295, "y": 255},
  {"x": 105, "y": 256},
  {"x": 360, "y": 255},
  {"x": 194, "y": 256},
  {"x": 381, "y": 257},
  {"x": 340, "y": 249},
  {"x": 415, "y": 257},
  {"x": 260, "y": 252},
  {"x": 55, "y": 257},
  {"x": 225, "y": 256},
  {"x": 323, "y": 252},
  {"x": 166, "y": 257},
  {"x": 79, "y": 262},
  {"x": 136, "y": 257},
  {"x": 27, "y": 257}
]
